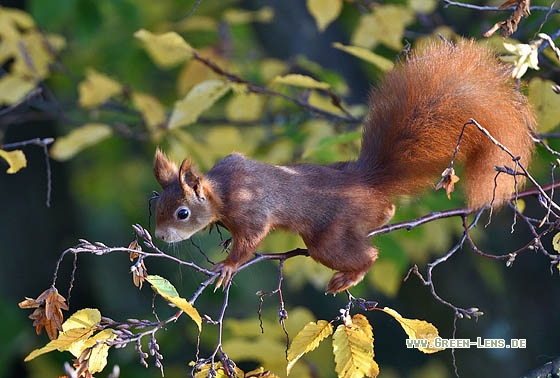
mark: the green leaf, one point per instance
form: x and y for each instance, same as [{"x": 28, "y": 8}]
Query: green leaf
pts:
[
  {"x": 16, "y": 160},
  {"x": 164, "y": 288},
  {"x": 78, "y": 139}
]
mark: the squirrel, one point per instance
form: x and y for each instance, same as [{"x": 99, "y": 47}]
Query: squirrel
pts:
[{"x": 416, "y": 115}]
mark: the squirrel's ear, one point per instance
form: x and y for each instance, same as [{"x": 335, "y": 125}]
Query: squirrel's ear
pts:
[
  {"x": 190, "y": 179},
  {"x": 165, "y": 170}
]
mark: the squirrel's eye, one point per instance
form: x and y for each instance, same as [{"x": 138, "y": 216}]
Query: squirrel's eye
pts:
[{"x": 183, "y": 214}]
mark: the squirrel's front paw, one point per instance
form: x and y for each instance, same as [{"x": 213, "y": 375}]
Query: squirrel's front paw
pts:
[{"x": 226, "y": 272}]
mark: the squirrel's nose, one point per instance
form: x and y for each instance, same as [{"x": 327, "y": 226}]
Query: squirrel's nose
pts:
[{"x": 160, "y": 234}]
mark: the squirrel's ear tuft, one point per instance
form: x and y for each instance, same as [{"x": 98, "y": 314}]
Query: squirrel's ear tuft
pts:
[
  {"x": 165, "y": 170},
  {"x": 190, "y": 178}
]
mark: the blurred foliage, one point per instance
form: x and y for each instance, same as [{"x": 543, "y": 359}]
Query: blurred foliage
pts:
[{"x": 108, "y": 99}]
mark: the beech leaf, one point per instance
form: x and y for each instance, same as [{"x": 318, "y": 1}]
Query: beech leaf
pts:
[
  {"x": 84, "y": 318},
  {"x": 16, "y": 160},
  {"x": 324, "y": 11},
  {"x": 78, "y": 139},
  {"x": 152, "y": 110},
  {"x": 100, "y": 350},
  {"x": 76, "y": 330},
  {"x": 164, "y": 288},
  {"x": 546, "y": 104},
  {"x": 96, "y": 89},
  {"x": 381, "y": 62},
  {"x": 353, "y": 349},
  {"x": 385, "y": 25},
  {"x": 241, "y": 16},
  {"x": 556, "y": 242},
  {"x": 64, "y": 342},
  {"x": 416, "y": 329},
  {"x": 307, "y": 340},
  {"x": 298, "y": 80},
  {"x": 13, "y": 89},
  {"x": 244, "y": 107},
  {"x": 167, "y": 49},
  {"x": 201, "y": 97}
]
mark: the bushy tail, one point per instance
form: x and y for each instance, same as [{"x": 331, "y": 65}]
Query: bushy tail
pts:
[{"x": 417, "y": 114}]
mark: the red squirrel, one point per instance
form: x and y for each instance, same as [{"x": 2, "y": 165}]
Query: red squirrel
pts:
[{"x": 415, "y": 117}]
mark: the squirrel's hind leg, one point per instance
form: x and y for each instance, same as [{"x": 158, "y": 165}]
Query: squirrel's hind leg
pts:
[{"x": 341, "y": 281}]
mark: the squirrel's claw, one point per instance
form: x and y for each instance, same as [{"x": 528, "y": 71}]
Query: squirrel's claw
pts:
[{"x": 226, "y": 273}]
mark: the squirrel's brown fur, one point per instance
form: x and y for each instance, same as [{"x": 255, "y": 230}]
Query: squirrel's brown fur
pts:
[{"x": 413, "y": 126}]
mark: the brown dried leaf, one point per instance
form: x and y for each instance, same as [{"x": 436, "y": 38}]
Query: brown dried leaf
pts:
[
  {"x": 139, "y": 274},
  {"x": 448, "y": 181},
  {"x": 48, "y": 311},
  {"x": 509, "y": 26}
]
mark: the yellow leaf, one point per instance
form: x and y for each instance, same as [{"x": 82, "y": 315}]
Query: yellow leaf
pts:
[
  {"x": 307, "y": 340},
  {"x": 298, "y": 80},
  {"x": 100, "y": 350},
  {"x": 385, "y": 25},
  {"x": 323, "y": 102},
  {"x": 13, "y": 89},
  {"x": 167, "y": 49},
  {"x": 270, "y": 68},
  {"x": 546, "y": 104},
  {"x": 78, "y": 139},
  {"x": 324, "y": 11},
  {"x": 353, "y": 349},
  {"x": 199, "y": 99},
  {"x": 84, "y": 318},
  {"x": 64, "y": 342},
  {"x": 260, "y": 373},
  {"x": 556, "y": 242},
  {"x": 76, "y": 330},
  {"x": 152, "y": 110},
  {"x": 423, "y": 6},
  {"x": 241, "y": 16},
  {"x": 16, "y": 160},
  {"x": 34, "y": 57},
  {"x": 519, "y": 205},
  {"x": 416, "y": 329},
  {"x": 164, "y": 288},
  {"x": 96, "y": 89},
  {"x": 381, "y": 62},
  {"x": 20, "y": 18},
  {"x": 204, "y": 371},
  {"x": 244, "y": 107},
  {"x": 198, "y": 23}
]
